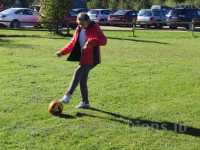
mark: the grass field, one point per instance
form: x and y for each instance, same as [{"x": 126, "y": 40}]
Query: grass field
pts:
[{"x": 145, "y": 94}]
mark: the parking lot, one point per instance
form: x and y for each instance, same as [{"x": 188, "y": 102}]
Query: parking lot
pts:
[{"x": 157, "y": 17}]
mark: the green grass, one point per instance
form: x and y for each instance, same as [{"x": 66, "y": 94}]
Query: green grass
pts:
[{"x": 143, "y": 82}]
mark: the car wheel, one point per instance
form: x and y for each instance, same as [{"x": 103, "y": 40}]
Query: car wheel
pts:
[
  {"x": 102, "y": 21},
  {"x": 188, "y": 27},
  {"x": 73, "y": 27},
  {"x": 173, "y": 27},
  {"x": 130, "y": 25},
  {"x": 159, "y": 26},
  {"x": 142, "y": 26},
  {"x": 15, "y": 24},
  {"x": 147, "y": 26}
]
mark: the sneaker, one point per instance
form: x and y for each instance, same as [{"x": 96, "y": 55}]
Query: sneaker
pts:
[
  {"x": 83, "y": 105},
  {"x": 66, "y": 99}
]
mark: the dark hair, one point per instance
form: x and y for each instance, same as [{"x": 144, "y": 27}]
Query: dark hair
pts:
[{"x": 83, "y": 17}]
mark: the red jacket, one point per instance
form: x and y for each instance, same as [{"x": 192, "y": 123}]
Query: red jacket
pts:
[{"x": 91, "y": 54}]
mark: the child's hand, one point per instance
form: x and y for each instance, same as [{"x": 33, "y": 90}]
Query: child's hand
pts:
[
  {"x": 86, "y": 45},
  {"x": 58, "y": 54}
]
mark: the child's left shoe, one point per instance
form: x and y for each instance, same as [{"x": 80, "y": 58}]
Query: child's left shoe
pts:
[{"x": 83, "y": 105}]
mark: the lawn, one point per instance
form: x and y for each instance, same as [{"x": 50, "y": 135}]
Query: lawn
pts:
[{"x": 144, "y": 96}]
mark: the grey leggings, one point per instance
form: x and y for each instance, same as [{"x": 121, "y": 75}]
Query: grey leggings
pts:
[{"x": 81, "y": 75}]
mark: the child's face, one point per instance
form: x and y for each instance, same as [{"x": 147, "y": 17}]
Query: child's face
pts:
[{"x": 82, "y": 23}]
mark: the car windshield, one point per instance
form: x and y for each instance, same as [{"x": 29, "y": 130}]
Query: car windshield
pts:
[
  {"x": 7, "y": 11},
  {"x": 120, "y": 12},
  {"x": 166, "y": 11},
  {"x": 169, "y": 13},
  {"x": 93, "y": 12},
  {"x": 156, "y": 13},
  {"x": 177, "y": 12},
  {"x": 134, "y": 13},
  {"x": 145, "y": 13},
  {"x": 73, "y": 13},
  {"x": 198, "y": 12}
]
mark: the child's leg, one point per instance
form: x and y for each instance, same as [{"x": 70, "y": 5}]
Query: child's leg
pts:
[
  {"x": 80, "y": 74},
  {"x": 83, "y": 84},
  {"x": 75, "y": 80},
  {"x": 84, "y": 88}
]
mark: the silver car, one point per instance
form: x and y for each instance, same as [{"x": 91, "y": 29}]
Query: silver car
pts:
[
  {"x": 99, "y": 15},
  {"x": 151, "y": 17},
  {"x": 18, "y": 17}
]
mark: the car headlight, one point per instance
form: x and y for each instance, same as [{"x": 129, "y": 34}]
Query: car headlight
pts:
[{"x": 3, "y": 16}]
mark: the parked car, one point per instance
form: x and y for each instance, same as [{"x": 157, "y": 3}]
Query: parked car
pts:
[
  {"x": 19, "y": 17},
  {"x": 80, "y": 10},
  {"x": 165, "y": 9},
  {"x": 99, "y": 15},
  {"x": 151, "y": 17},
  {"x": 70, "y": 19},
  {"x": 123, "y": 17},
  {"x": 181, "y": 17}
]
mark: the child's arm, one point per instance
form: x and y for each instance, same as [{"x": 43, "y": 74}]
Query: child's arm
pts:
[
  {"x": 69, "y": 47},
  {"x": 98, "y": 39}
]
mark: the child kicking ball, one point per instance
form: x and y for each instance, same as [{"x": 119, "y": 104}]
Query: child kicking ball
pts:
[{"x": 84, "y": 48}]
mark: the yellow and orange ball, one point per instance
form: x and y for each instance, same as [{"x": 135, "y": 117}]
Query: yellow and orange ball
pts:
[{"x": 55, "y": 107}]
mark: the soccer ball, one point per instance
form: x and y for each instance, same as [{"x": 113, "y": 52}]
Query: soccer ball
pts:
[{"x": 55, "y": 107}]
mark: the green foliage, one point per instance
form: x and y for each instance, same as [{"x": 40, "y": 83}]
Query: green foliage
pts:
[
  {"x": 94, "y": 4},
  {"x": 129, "y": 4},
  {"x": 138, "y": 4},
  {"x": 53, "y": 12},
  {"x": 143, "y": 4},
  {"x": 9, "y": 3},
  {"x": 112, "y": 4},
  {"x": 26, "y": 3}
]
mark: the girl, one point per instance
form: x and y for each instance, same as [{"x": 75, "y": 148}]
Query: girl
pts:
[{"x": 85, "y": 48}]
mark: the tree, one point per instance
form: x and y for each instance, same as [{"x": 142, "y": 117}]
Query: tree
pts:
[
  {"x": 26, "y": 3},
  {"x": 52, "y": 13},
  {"x": 179, "y": 1},
  {"x": 129, "y": 4},
  {"x": 10, "y": 3},
  {"x": 112, "y": 4},
  {"x": 95, "y": 4}
]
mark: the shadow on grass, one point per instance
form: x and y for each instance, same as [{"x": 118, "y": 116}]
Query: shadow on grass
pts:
[
  {"x": 30, "y": 36},
  {"x": 137, "y": 40},
  {"x": 16, "y": 46},
  {"x": 137, "y": 122},
  {"x": 65, "y": 116},
  {"x": 8, "y": 43},
  {"x": 52, "y": 37},
  {"x": 166, "y": 126},
  {"x": 4, "y": 41}
]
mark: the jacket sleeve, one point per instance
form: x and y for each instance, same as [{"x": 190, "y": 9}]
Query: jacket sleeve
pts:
[
  {"x": 69, "y": 47},
  {"x": 98, "y": 38}
]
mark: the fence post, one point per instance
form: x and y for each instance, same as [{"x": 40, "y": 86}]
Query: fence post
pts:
[
  {"x": 193, "y": 27},
  {"x": 133, "y": 29},
  {"x": 68, "y": 30}
]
